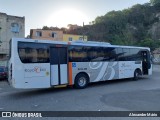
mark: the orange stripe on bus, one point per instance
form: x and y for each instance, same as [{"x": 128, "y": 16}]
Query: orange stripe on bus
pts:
[{"x": 70, "y": 73}]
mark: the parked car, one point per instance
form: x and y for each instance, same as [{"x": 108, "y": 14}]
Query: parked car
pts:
[{"x": 3, "y": 72}]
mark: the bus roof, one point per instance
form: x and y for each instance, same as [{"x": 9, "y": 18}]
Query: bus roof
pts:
[
  {"x": 79, "y": 43},
  {"x": 38, "y": 41}
]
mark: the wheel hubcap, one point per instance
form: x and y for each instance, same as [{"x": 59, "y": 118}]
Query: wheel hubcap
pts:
[
  {"x": 137, "y": 74},
  {"x": 82, "y": 81}
]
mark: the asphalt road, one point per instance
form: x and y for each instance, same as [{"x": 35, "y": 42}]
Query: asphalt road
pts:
[{"x": 120, "y": 95}]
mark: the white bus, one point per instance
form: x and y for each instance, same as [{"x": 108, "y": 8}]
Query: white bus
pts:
[{"x": 45, "y": 63}]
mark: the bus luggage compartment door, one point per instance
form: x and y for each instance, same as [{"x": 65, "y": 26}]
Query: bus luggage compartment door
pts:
[{"x": 58, "y": 63}]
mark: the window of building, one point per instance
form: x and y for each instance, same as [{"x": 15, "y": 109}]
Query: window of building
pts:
[
  {"x": 53, "y": 34},
  {"x": 15, "y": 27},
  {"x": 80, "y": 38},
  {"x": 38, "y": 33},
  {"x": 70, "y": 39}
]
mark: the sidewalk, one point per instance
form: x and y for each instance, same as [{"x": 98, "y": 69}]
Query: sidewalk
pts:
[{"x": 156, "y": 68}]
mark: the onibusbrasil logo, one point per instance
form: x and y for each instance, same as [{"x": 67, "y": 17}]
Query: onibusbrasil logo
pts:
[{"x": 36, "y": 69}]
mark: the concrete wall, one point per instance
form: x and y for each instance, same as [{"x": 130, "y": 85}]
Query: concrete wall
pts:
[
  {"x": 59, "y": 36},
  {"x": 6, "y": 32},
  {"x": 46, "y": 35},
  {"x": 68, "y": 37},
  {"x": 3, "y": 34}
]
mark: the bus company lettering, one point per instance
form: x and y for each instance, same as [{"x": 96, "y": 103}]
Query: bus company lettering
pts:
[{"x": 35, "y": 70}]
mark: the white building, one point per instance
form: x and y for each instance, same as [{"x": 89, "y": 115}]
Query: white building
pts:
[{"x": 10, "y": 26}]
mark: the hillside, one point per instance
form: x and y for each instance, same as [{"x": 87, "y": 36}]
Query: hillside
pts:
[{"x": 138, "y": 25}]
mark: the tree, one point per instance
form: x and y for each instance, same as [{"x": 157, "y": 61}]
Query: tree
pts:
[
  {"x": 50, "y": 28},
  {"x": 148, "y": 42},
  {"x": 45, "y": 28},
  {"x": 154, "y": 2}
]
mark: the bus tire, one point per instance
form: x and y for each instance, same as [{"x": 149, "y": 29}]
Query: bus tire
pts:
[
  {"x": 81, "y": 81},
  {"x": 137, "y": 74}
]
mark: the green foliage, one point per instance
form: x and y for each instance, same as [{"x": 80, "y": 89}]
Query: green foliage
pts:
[
  {"x": 50, "y": 28},
  {"x": 154, "y": 2},
  {"x": 127, "y": 27},
  {"x": 130, "y": 26},
  {"x": 45, "y": 28},
  {"x": 147, "y": 42}
]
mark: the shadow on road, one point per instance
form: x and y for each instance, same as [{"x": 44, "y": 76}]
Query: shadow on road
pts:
[
  {"x": 145, "y": 100},
  {"x": 112, "y": 82},
  {"x": 21, "y": 94}
]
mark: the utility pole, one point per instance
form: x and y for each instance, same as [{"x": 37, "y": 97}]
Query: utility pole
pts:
[
  {"x": 83, "y": 31},
  {"x": 0, "y": 35}
]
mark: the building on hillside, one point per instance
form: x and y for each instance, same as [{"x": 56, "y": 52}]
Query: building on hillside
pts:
[
  {"x": 54, "y": 35},
  {"x": 46, "y": 34},
  {"x": 10, "y": 26},
  {"x": 70, "y": 37}
]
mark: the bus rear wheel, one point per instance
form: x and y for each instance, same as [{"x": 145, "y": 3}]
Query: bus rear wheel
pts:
[{"x": 81, "y": 81}]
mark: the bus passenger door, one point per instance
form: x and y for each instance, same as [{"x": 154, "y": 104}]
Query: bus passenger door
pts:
[
  {"x": 58, "y": 61},
  {"x": 145, "y": 62}
]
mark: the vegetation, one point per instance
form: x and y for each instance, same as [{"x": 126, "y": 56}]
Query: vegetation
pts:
[
  {"x": 138, "y": 25},
  {"x": 133, "y": 26},
  {"x": 154, "y": 2}
]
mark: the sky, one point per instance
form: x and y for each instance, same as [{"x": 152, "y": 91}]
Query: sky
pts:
[{"x": 60, "y": 13}]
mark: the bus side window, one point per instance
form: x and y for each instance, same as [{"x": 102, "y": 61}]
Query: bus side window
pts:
[
  {"x": 33, "y": 52},
  {"x": 119, "y": 54}
]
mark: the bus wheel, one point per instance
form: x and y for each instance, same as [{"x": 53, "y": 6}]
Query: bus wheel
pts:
[
  {"x": 81, "y": 81},
  {"x": 137, "y": 74}
]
